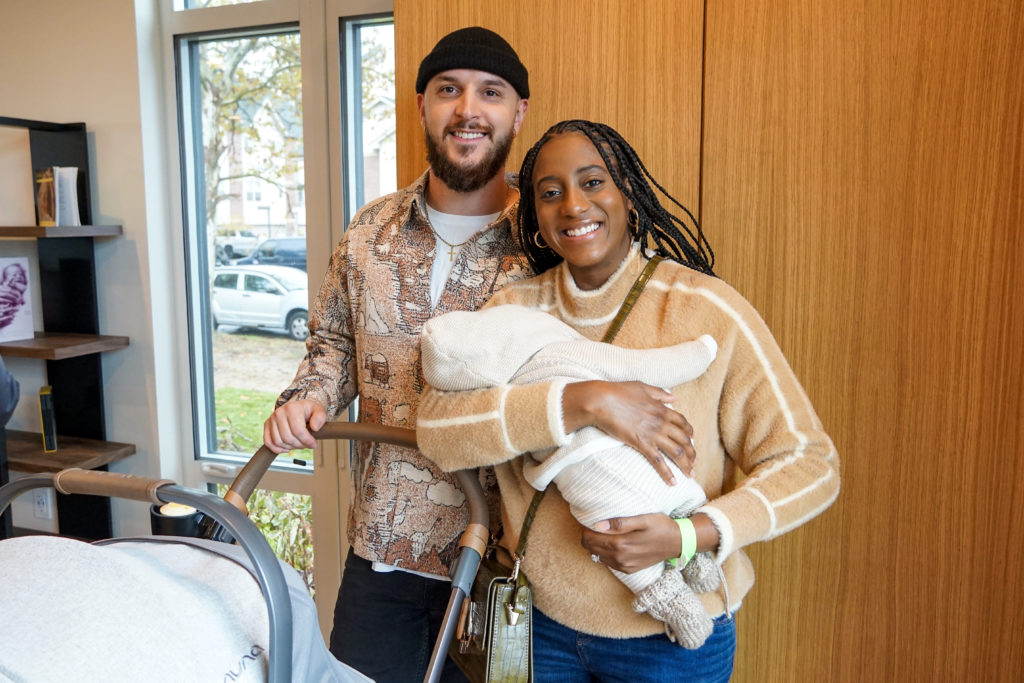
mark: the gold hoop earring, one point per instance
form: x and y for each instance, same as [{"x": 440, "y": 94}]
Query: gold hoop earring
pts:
[
  {"x": 538, "y": 241},
  {"x": 633, "y": 221}
]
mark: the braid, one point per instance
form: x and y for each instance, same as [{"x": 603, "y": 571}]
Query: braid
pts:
[
  {"x": 540, "y": 259},
  {"x": 672, "y": 237}
]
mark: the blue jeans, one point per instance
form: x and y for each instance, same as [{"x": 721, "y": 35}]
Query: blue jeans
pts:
[
  {"x": 562, "y": 655},
  {"x": 385, "y": 623}
]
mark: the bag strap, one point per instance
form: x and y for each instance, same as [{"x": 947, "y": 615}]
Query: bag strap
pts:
[
  {"x": 609, "y": 335},
  {"x": 631, "y": 297}
]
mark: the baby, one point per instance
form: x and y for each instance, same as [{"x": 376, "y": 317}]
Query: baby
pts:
[{"x": 599, "y": 476}]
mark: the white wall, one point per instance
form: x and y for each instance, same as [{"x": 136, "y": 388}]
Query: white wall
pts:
[{"x": 69, "y": 61}]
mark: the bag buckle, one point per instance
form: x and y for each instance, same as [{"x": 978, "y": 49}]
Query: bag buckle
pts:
[
  {"x": 515, "y": 568},
  {"x": 511, "y": 613}
]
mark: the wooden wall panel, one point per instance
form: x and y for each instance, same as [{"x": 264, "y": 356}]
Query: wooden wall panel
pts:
[
  {"x": 863, "y": 186},
  {"x": 596, "y": 60}
]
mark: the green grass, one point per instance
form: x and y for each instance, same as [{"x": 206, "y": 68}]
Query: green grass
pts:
[
  {"x": 240, "y": 417},
  {"x": 286, "y": 519}
]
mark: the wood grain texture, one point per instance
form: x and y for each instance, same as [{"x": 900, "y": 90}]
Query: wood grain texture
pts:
[
  {"x": 61, "y": 345},
  {"x": 863, "y": 188},
  {"x": 62, "y": 231},
  {"x": 596, "y": 60},
  {"x": 25, "y": 452}
]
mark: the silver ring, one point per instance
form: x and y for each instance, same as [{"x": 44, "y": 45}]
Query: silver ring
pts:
[{"x": 595, "y": 558}]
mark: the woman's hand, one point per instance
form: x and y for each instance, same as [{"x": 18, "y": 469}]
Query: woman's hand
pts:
[
  {"x": 630, "y": 544},
  {"x": 288, "y": 427},
  {"x": 634, "y": 413}
]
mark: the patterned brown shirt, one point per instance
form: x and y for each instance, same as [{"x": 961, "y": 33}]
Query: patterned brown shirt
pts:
[{"x": 364, "y": 340}]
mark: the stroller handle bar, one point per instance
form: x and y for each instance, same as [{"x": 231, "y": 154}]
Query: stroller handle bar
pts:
[
  {"x": 246, "y": 481},
  {"x": 476, "y": 534}
]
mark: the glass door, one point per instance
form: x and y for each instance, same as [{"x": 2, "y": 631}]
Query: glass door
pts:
[{"x": 285, "y": 115}]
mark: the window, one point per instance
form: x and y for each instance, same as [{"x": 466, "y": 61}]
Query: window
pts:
[
  {"x": 371, "y": 111},
  {"x": 255, "y": 283},
  {"x": 247, "y": 137},
  {"x": 226, "y": 281},
  {"x": 246, "y": 127},
  {"x": 253, "y": 192}
]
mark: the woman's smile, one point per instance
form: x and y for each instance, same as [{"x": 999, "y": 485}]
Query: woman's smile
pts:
[{"x": 585, "y": 229}]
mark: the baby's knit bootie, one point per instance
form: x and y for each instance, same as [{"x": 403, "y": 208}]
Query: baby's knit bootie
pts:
[
  {"x": 701, "y": 573},
  {"x": 671, "y": 601}
]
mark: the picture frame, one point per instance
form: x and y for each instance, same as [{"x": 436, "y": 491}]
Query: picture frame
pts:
[{"x": 15, "y": 300}]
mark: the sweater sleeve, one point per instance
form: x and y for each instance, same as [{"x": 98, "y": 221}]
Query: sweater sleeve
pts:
[
  {"x": 463, "y": 429},
  {"x": 327, "y": 373},
  {"x": 770, "y": 430}
]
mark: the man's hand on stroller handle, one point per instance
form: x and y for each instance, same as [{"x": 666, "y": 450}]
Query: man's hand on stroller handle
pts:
[{"x": 291, "y": 425}]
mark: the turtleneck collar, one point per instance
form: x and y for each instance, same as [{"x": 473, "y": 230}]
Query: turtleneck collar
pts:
[{"x": 590, "y": 311}]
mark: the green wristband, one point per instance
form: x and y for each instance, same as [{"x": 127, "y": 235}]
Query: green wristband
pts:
[{"x": 688, "y": 536}]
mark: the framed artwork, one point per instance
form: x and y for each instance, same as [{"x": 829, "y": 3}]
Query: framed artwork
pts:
[{"x": 15, "y": 300}]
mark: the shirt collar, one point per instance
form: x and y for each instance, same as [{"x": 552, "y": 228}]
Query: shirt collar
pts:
[{"x": 418, "y": 200}]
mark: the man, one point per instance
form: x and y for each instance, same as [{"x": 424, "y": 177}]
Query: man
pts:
[{"x": 444, "y": 243}]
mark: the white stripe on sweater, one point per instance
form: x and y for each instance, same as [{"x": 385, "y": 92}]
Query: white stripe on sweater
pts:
[
  {"x": 579, "y": 322},
  {"x": 563, "y": 314},
  {"x": 773, "y": 379},
  {"x": 772, "y": 519},
  {"x": 805, "y": 490},
  {"x": 812, "y": 513},
  {"x": 501, "y": 423},
  {"x": 722, "y": 305},
  {"x": 445, "y": 422}
]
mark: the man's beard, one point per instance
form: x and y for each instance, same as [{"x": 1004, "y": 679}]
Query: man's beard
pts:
[{"x": 472, "y": 178}]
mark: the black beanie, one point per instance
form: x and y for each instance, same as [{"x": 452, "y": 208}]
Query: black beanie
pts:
[{"x": 475, "y": 48}]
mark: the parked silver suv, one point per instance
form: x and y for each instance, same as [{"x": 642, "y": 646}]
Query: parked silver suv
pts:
[{"x": 275, "y": 297}]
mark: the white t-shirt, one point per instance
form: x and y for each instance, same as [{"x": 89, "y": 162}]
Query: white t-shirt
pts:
[{"x": 456, "y": 231}]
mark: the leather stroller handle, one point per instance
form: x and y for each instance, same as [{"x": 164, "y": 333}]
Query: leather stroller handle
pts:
[
  {"x": 246, "y": 481},
  {"x": 476, "y": 534},
  {"x": 112, "y": 484}
]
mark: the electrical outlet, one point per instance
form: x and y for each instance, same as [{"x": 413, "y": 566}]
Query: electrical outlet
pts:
[{"x": 41, "y": 498}]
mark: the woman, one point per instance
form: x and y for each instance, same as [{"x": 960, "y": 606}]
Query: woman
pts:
[{"x": 586, "y": 208}]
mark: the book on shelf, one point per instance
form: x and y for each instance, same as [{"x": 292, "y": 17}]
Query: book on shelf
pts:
[
  {"x": 57, "y": 196},
  {"x": 46, "y": 418}
]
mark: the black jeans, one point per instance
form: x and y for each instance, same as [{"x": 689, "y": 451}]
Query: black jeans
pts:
[{"x": 385, "y": 623}]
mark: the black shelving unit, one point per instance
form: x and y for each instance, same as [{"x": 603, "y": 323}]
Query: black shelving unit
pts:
[{"x": 71, "y": 342}]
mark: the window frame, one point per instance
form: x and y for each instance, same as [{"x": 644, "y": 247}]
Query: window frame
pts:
[{"x": 320, "y": 25}]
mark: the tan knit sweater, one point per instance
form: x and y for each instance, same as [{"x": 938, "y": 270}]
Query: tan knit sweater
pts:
[{"x": 751, "y": 418}]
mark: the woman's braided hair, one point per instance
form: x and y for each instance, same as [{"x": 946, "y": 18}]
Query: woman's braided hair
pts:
[{"x": 674, "y": 238}]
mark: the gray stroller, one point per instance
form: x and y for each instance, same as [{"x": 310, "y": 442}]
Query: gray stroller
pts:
[{"x": 182, "y": 609}]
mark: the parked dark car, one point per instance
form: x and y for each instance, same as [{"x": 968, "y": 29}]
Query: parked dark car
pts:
[{"x": 278, "y": 251}]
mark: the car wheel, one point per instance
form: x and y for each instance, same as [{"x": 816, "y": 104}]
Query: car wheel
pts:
[{"x": 297, "y": 325}]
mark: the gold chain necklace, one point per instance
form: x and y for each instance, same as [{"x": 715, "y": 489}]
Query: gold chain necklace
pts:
[{"x": 451, "y": 247}]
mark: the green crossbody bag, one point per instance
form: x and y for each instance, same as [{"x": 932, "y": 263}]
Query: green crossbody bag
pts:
[{"x": 494, "y": 637}]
